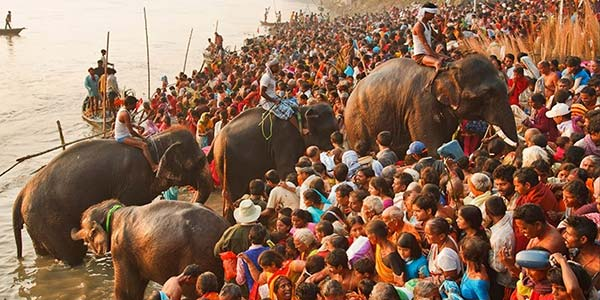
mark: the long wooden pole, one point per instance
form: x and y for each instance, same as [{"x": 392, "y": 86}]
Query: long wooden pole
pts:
[
  {"x": 187, "y": 50},
  {"x": 147, "y": 51},
  {"x": 60, "y": 134},
  {"x": 105, "y": 84}
]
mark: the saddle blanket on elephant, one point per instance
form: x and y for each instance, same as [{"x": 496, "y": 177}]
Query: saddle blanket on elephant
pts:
[{"x": 284, "y": 110}]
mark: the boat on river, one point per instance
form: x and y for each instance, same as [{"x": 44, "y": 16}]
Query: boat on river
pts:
[
  {"x": 96, "y": 118},
  {"x": 13, "y": 31},
  {"x": 269, "y": 24}
]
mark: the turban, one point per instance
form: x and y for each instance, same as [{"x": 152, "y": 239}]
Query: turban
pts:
[{"x": 424, "y": 10}]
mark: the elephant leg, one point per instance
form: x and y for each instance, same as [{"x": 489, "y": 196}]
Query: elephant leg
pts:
[
  {"x": 70, "y": 251},
  {"x": 129, "y": 285},
  {"x": 38, "y": 246},
  {"x": 53, "y": 237}
]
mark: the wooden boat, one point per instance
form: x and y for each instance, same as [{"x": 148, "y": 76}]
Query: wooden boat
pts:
[
  {"x": 268, "y": 24},
  {"x": 96, "y": 119},
  {"x": 13, "y": 31}
]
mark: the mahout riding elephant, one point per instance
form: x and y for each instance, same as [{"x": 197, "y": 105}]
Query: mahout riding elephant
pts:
[
  {"x": 416, "y": 103},
  {"x": 151, "y": 242},
  {"x": 257, "y": 141},
  {"x": 89, "y": 172}
]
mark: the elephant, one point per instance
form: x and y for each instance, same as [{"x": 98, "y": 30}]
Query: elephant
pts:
[
  {"x": 89, "y": 172},
  {"x": 256, "y": 141},
  {"x": 414, "y": 102},
  {"x": 151, "y": 242}
]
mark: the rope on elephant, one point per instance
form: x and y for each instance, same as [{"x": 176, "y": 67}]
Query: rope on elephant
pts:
[
  {"x": 267, "y": 114},
  {"x": 24, "y": 158}
]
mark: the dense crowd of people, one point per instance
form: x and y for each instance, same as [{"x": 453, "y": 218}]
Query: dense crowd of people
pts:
[{"x": 508, "y": 220}]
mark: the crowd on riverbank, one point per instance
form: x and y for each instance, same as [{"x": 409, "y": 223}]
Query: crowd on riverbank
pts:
[{"x": 498, "y": 223}]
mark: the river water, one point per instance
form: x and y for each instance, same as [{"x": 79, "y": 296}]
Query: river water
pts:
[{"x": 41, "y": 81}]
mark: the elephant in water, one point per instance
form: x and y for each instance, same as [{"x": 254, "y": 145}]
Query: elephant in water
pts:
[
  {"x": 89, "y": 172},
  {"x": 256, "y": 141},
  {"x": 415, "y": 103},
  {"x": 151, "y": 242}
]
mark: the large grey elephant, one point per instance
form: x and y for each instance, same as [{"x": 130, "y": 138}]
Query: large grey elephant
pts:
[
  {"x": 151, "y": 242},
  {"x": 89, "y": 172},
  {"x": 256, "y": 141},
  {"x": 414, "y": 104}
]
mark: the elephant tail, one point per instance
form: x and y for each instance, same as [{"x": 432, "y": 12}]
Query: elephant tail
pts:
[{"x": 17, "y": 220}]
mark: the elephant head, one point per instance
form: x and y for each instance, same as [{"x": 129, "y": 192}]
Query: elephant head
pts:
[
  {"x": 474, "y": 90},
  {"x": 93, "y": 227},
  {"x": 183, "y": 163},
  {"x": 319, "y": 120}
]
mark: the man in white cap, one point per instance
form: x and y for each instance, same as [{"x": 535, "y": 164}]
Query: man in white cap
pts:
[
  {"x": 282, "y": 108},
  {"x": 561, "y": 114},
  {"x": 422, "y": 33},
  {"x": 235, "y": 238}
]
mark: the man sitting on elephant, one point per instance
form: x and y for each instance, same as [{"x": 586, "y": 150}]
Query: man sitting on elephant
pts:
[
  {"x": 284, "y": 109},
  {"x": 422, "y": 33},
  {"x": 125, "y": 134}
]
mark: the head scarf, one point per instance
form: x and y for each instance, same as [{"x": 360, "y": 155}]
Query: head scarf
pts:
[
  {"x": 269, "y": 64},
  {"x": 272, "y": 291},
  {"x": 424, "y": 10},
  {"x": 350, "y": 159},
  {"x": 205, "y": 118}
]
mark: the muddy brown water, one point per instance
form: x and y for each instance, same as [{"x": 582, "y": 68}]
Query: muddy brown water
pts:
[{"x": 41, "y": 81}]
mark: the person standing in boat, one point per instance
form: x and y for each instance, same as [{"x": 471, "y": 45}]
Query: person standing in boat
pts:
[
  {"x": 91, "y": 84},
  {"x": 125, "y": 134},
  {"x": 8, "y": 20}
]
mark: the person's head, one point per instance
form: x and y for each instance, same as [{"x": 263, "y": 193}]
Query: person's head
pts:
[
  {"x": 393, "y": 217},
  {"x": 564, "y": 84},
  {"x": 537, "y": 100},
  {"x": 332, "y": 290},
  {"x": 356, "y": 199},
  {"x": 474, "y": 250},
  {"x": 311, "y": 198},
  {"x": 469, "y": 217},
  {"x": 307, "y": 291},
  {"x": 313, "y": 153},
  {"x": 544, "y": 67},
  {"x": 337, "y": 261},
  {"x": 503, "y": 180},
  {"x": 573, "y": 64},
  {"x": 342, "y": 194},
  {"x": 207, "y": 283},
  {"x": 322, "y": 229},
  {"x": 283, "y": 224},
  {"x": 495, "y": 207},
  {"x": 559, "y": 290},
  {"x": 257, "y": 187},
  {"x": 364, "y": 268},
  {"x": 524, "y": 180},
  {"x": 363, "y": 175},
  {"x": 588, "y": 96},
  {"x": 530, "y": 220},
  {"x": 577, "y": 174},
  {"x": 542, "y": 168},
  {"x": 230, "y": 291},
  {"x": 376, "y": 231},
  {"x": 257, "y": 234},
  {"x": 479, "y": 183},
  {"x": 357, "y": 226},
  {"x": 372, "y": 206},
  {"x": 379, "y": 187},
  {"x": 384, "y": 139},
  {"x": 579, "y": 232},
  {"x": 437, "y": 230},
  {"x": 401, "y": 182},
  {"x": 301, "y": 218},
  {"x": 282, "y": 288},
  {"x": 340, "y": 172},
  {"x": 429, "y": 175},
  {"x": 590, "y": 163},
  {"x": 408, "y": 246},
  {"x": 190, "y": 274},
  {"x": 270, "y": 260},
  {"x": 564, "y": 170},
  {"x": 424, "y": 208},
  {"x": 304, "y": 239},
  {"x": 272, "y": 178},
  {"x": 417, "y": 150},
  {"x": 130, "y": 102},
  {"x": 336, "y": 138},
  {"x": 509, "y": 60},
  {"x": 519, "y": 72},
  {"x": 594, "y": 130},
  {"x": 384, "y": 291},
  {"x": 314, "y": 264},
  {"x": 365, "y": 287},
  {"x": 426, "y": 290},
  {"x": 576, "y": 194}
]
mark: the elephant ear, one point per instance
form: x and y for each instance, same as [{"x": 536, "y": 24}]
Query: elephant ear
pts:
[
  {"x": 170, "y": 167},
  {"x": 446, "y": 87}
]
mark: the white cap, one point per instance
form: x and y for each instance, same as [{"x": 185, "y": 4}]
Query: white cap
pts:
[{"x": 560, "y": 109}]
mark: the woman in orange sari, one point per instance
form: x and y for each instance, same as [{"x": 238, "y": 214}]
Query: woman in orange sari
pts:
[{"x": 389, "y": 265}]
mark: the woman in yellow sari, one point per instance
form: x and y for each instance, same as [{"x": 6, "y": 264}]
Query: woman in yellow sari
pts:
[
  {"x": 280, "y": 288},
  {"x": 389, "y": 265}
]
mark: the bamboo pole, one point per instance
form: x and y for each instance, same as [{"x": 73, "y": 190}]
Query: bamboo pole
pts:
[
  {"x": 187, "y": 50},
  {"x": 105, "y": 85},
  {"x": 60, "y": 134},
  {"x": 147, "y": 51}
]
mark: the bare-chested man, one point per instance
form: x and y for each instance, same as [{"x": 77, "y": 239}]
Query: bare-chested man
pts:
[
  {"x": 548, "y": 78},
  {"x": 173, "y": 286}
]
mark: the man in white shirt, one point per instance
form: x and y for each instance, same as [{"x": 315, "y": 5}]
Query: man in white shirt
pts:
[
  {"x": 560, "y": 114},
  {"x": 340, "y": 173},
  {"x": 279, "y": 197},
  {"x": 502, "y": 238}
]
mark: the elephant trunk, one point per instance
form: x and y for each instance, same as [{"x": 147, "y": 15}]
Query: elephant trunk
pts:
[
  {"x": 204, "y": 186},
  {"x": 503, "y": 117}
]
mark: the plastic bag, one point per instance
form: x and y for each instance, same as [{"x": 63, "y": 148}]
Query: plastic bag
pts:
[{"x": 229, "y": 264}]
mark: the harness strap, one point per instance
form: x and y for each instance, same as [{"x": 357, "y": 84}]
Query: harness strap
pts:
[{"x": 109, "y": 216}]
